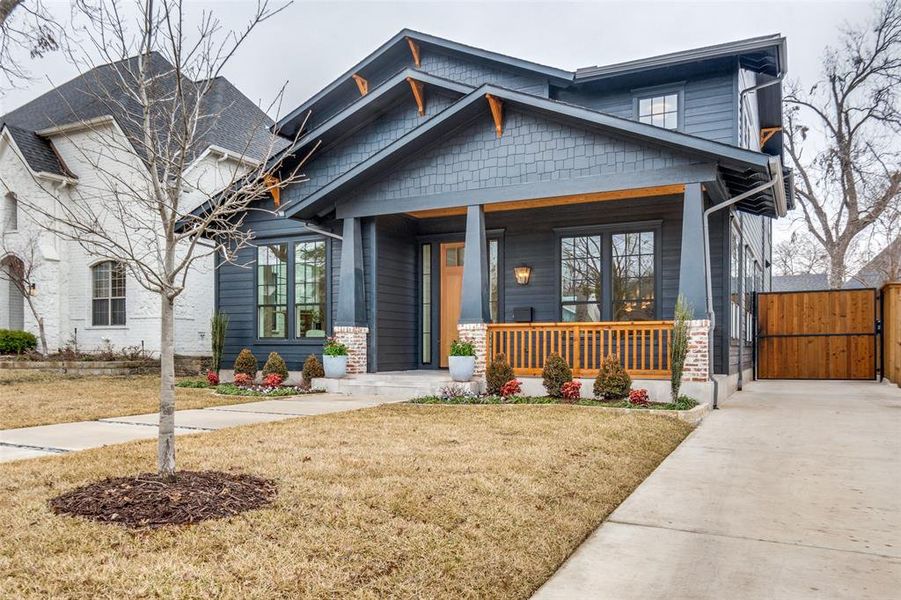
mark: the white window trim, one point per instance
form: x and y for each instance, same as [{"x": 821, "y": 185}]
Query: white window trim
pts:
[{"x": 677, "y": 88}]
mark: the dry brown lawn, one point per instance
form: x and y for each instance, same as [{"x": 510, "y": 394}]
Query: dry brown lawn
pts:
[
  {"x": 399, "y": 501},
  {"x": 32, "y": 399}
]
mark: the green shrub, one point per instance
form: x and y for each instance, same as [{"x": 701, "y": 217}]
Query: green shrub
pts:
[
  {"x": 498, "y": 373},
  {"x": 679, "y": 346},
  {"x": 312, "y": 368},
  {"x": 556, "y": 372},
  {"x": 246, "y": 363},
  {"x": 612, "y": 382},
  {"x": 459, "y": 348},
  {"x": 218, "y": 327},
  {"x": 13, "y": 341},
  {"x": 333, "y": 347},
  {"x": 192, "y": 383},
  {"x": 275, "y": 364}
]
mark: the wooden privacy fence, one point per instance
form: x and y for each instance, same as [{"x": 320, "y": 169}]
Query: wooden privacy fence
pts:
[
  {"x": 643, "y": 346},
  {"x": 891, "y": 332}
]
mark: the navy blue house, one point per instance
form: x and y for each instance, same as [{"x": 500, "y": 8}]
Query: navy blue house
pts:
[{"x": 457, "y": 190}]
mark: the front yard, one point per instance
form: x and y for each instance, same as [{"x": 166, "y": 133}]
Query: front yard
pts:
[
  {"x": 36, "y": 399},
  {"x": 400, "y": 500}
]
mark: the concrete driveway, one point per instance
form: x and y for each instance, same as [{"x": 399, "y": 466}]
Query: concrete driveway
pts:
[{"x": 792, "y": 490}]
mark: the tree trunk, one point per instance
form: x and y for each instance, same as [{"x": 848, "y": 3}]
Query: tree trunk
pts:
[
  {"x": 6, "y": 8},
  {"x": 837, "y": 268},
  {"x": 40, "y": 321},
  {"x": 166, "y": 444}
]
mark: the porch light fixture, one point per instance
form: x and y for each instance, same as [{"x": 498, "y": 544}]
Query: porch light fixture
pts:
[{"x": 522, "y": 274}]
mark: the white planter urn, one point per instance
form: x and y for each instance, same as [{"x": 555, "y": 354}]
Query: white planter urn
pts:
[
  {"x": 461, "y": 367},
  {"x": 335, "y": 367}
]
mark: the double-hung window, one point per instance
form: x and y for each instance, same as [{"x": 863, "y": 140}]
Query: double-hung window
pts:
[
  {"x": 272, "y": 291},
  {"x": 108, "y": 294}
]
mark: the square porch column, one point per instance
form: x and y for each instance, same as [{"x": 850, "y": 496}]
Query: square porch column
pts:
[
  {"x": 350, "y": 323},
  {"x": 475, "y": 313},
  {"x": 692, "y": 281}
]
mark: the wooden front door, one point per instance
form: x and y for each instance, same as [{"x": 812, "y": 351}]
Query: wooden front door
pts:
[
  {"x": 451, "y": 287},
  {"x": 816, "y": 335}
]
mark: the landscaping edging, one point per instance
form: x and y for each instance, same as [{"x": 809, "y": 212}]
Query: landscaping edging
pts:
[{"x": 184, "y": 365}]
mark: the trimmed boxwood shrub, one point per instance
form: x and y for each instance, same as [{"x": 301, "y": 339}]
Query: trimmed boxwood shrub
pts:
[
  {"x": 312, "y": 368},
  {"x": 275, "y": 364},
  {"x": 498, "y": 373},
  {"x": 14, "y": 341},
  {"x": 556, "y": 372},
  {"x": 612, "y": 382},
  {"x": 246, "y": 363}
]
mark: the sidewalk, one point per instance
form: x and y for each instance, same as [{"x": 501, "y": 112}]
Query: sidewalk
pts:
[
  {"x": 791, "y": 490},
  {"x": 46, "y": 440}
]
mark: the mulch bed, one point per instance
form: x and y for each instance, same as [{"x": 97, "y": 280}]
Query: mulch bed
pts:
[{"x": 145, "y": 500}]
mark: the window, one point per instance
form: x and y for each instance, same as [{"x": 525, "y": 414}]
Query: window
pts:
[
  {"x": 492, "y": 280},
  {"x": 580, "y": 278},
  {"x": 11, "y": 212},
  {"x": 272, "y": 291},
  {"x": 735, "y": 285},
  {"x": 660, "y": 111},
  {"x": 749, "y": 295},
  {"x": 309, "y": 289},
  {"x": 633, "y": 276},
  {"x": 426, "y": 303},
  {"x": 108, "y": 294}
]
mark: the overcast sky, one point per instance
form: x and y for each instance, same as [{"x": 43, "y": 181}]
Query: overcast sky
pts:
[{"x": 311, "y": 43}]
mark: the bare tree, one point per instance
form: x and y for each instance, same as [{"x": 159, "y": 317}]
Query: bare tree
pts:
[
  {"x": 842, "y": 136},
  {"x": 25, "y": 24},
  {"x": 799, "y": 255},
  {"x": 138, "y": 208},
  {"x": 22, "y": 260}
]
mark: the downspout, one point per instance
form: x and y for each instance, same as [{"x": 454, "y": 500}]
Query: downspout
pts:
[{"x": 776, "y": 182}]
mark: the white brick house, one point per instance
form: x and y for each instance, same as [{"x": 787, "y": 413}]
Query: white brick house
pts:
[{"x": 59, "y": 145}]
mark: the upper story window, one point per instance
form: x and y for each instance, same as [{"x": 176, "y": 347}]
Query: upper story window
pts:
[
  {"x": 660, "y": 110},
  {"x": 10, "y": 212},
  {"x": 108, "y": 294}
]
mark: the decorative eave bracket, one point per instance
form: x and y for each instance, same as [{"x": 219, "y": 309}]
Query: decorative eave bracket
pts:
[
  {"x": 362, "y": 84},
  {"x": 497, "y": 113},
  {"x": 273, "y": 184},
  {"x": 414, "y": 50},
  {"x": 766, "y": 133},
  {"x": 418, "y": 94}
]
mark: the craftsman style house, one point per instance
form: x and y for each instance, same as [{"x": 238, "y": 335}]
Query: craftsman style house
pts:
[{"x": 457, "y": 192}]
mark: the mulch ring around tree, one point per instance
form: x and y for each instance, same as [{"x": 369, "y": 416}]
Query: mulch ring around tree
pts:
[{"x": 146, "y": 500}]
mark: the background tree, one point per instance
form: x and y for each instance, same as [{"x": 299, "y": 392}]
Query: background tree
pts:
[
  {"x": 21, "y": 261},
  {"x": 25, "y": 24},
  {"x": 842, "y": 136},
  {"x": 138, "y": 208},
  {"x": 799, "y": 255}
]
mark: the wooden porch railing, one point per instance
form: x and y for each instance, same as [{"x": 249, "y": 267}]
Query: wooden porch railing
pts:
[{"x": 642, "y": 346}]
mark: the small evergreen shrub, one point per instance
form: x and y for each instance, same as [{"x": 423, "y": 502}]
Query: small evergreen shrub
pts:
[
  {"x": 192, "y": 383},
  {"x": 571, "y": 391},
  {"x": 312, "y": 368},
  {"x": 679, "y": 346},
  {"x": 218, "y": 327},
  {"x": 275, "y": 364},
  {"x": 242, "y": 379},
  {"x": 14, "y": 341},
  {"x": 612, "y": 382},
  {"x": 246, "y": 363},
  {"x": 555, "y": 373},
  {"x": 498, "y": 373}
]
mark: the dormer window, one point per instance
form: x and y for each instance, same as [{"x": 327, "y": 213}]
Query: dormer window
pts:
[{"x": 659, "y": 109}]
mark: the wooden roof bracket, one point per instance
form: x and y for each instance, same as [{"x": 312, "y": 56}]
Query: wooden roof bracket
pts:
[
  {"x": 418, "y": 94},
  {"x": 414, "y": 50},
  {"x": 497, "y": 113},
  {"x": 362, "y": 84},
  {"x": 766, "y": 133},
  {"x": 273, "y": 184}
]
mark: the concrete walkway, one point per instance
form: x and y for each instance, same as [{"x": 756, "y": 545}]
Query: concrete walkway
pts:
[
  {"x": 792, "y": 490},
  {"x": 45, "y": 440}
]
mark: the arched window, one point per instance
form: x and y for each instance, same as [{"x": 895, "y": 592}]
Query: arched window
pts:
[
  {"x": 10, "y": 212},
  {"x": 108, "y": 294}
]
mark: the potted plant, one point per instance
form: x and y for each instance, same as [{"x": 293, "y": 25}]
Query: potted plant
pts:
[
  {"x": 462, "y": 361},
  {"x": 334, "y": 359}
]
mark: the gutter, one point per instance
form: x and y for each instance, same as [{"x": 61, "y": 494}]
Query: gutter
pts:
[{"x": 777, "y": 183}]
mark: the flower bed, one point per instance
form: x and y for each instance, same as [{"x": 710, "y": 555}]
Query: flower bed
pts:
[
  {"x": 230, "y": 389},
  {"x": 685, "y": 403}
]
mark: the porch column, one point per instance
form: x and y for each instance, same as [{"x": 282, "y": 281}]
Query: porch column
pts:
[
  {"x": 692, "y": 283},
  {"x": 474, "y": 308},
  {"x": 350, "y": 324}
]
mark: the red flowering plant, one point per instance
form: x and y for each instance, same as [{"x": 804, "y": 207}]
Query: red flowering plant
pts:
[
  {"x": 571, "y": 390},
  {"x": 511, "y": 388},
  {"x": 212, "y": 378},
  {"x": 242, "y": 379},
  {"x": 639, "y": 397},
  {"x": 273, "y": 380}
]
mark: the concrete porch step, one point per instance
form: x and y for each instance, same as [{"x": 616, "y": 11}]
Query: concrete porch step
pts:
[{"x": 401, "y": 385}]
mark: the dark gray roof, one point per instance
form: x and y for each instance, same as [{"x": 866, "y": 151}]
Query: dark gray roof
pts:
[
  {"x": 800, "y": 283},
  {"x": 235, "y": 123}
]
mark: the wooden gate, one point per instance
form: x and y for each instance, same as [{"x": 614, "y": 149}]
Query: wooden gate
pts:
[{"x": 827, "y": 334}]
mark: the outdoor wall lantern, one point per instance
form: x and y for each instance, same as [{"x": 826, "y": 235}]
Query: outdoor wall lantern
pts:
[{"x": 522, "y": 274}]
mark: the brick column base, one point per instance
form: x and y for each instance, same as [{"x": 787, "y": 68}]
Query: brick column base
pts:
[
  {"x": 355, "y": 339},
  {"x": 477, "y": 335},
  {"x": 697, "y": 361}
]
